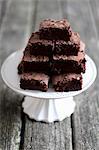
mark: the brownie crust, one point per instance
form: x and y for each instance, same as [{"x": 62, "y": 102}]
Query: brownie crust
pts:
[
  {"x": 68, "y": 64},
  {"x": 38, "y": 46},
  {"x": 34, "y": 81},
  {"x": 67, "y": 82},
  {"x": 71, "y": 47},
  {"x": 31, "y": 63},
  {"x": 55, "y": 30}
]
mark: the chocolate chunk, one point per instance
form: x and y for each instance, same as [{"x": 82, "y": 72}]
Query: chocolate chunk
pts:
[
  {"x": 31, "y": 63},
  {"x": 34, "y": 81},
  {"x": 36, "y": 46},
  {"x": 68, "y": 64},
  {"x": 67, "y": 82},
  {"x": 71, "y": 47}
]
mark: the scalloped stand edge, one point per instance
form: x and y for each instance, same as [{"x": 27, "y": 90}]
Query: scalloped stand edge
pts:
[{"x": 48, "y": 110}]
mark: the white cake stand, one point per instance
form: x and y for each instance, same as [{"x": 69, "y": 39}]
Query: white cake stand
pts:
[{"x": 45, "y": 106}]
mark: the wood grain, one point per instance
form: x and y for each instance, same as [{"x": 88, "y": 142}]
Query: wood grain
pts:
[
  {"x": 4, "y": 5},
  {"x": 10, "y": 123},
  {"x": 85, "y": 120},
  {"x": 42, "y": 136},
  {"x": 14, "y": 31}
]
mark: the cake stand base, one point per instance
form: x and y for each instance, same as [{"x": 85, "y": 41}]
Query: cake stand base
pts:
[{"x": 48, "y": 110}]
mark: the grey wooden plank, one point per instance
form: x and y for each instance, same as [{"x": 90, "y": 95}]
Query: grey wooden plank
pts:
[
  {"x": 77, "y": 13},
  {"x": 10, "y": 123},
  {"x": 14, "y": 31},
  {"x": 46, "y": 10},
  {"x": 53, "y": 136},
  {"x": 2, "y": 12},
  {"x": 94, "y": 5},
  {"x": 4, "y": 5},
  {"x": 14, "y": 27},
  {"x": 42, "y": 136},
  {"x": 85, "y": 121}
]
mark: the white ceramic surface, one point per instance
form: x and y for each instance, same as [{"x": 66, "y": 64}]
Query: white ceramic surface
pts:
[
  {"x": 48, "y": 110},
  {"x": 45, "y": 106},
  {"x": 11, "y": 78}
]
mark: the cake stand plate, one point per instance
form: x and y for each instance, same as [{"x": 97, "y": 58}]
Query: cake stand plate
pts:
[{"x": 45, "y": 106}]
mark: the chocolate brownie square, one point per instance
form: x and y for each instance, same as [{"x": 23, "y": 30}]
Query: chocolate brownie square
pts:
[
  {"x": 31, "y": 63},
  {"x": 55, "y": 30},
  {"x": 71, "y": 47},
  {"x": 68, "y": 64},
  {"x": 67, "y": 82},
  {"x": 34, "y": 81},
  {"x": 36, "y": 46}
]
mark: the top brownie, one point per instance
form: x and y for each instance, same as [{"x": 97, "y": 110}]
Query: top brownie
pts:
[
  {"x": 55, "y": 30},
  {"x": 37, "y": 46}
]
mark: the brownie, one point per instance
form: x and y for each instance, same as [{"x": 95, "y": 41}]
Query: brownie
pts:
[
  {"x": 55, "y": 30},
  {"x": 67, "y": 82},
  {"x": 34, "y": 81},
  {"x": 71, "y": 47},
  {"x": 31, "y": 63},
  {"x": 53, "y": 54},
  {"x": 38, "y": 46},
  {"x": 68, "y": 64}
]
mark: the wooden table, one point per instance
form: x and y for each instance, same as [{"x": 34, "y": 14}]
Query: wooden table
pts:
[{"x": 18, "y": 18}]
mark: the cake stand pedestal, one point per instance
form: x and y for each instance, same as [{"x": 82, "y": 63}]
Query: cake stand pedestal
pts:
[
  {"x": 48, "y": 110},
  {"x": 45, "y": 106}
]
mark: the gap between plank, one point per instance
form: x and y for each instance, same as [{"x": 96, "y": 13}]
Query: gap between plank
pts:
[
  {"x": 23, "y": 121},
  {"x": 72, "y": 132},
  {"x": 34, "y": 16},
  {"x": 4, "y": 11}
]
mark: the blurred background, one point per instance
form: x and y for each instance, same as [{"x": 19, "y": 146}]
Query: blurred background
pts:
[{"x": 18, "y": 19}]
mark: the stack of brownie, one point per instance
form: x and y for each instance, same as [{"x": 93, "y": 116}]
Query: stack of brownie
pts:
[
  {"x": 34, "y": 68},
  {"x": 53, "y": 54}
]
